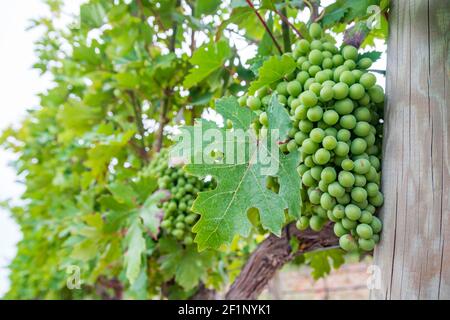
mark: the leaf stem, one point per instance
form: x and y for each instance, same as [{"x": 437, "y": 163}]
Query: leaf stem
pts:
[
  {"x": 265, "y": 26},
  {"x": 139, "y": 124},
  {"x": 285, "y": 31}
]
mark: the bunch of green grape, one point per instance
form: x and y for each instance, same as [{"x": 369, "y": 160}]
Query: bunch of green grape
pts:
[
  {"x": 336, "y": 109},
  {"x": 178, "y": 218}
]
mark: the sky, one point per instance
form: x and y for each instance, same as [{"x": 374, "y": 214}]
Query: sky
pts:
[{"x": 19, "y": 86}]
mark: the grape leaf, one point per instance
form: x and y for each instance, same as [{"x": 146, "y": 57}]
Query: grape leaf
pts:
[
  {"x": 206, "y": 7},
  {"x": 186, "y": 264},
  {"x": 150, "y": 213},
  {"x": 241, "y": 117},
  {"x": 373, "y": 55},
  {"x": 242, "y": 186},
  {"x": 206, "y": 60},
  {"x": 273, "y": 70},
  {"x": 136, "y": 247},
  {"x": 319, "y": 261}
]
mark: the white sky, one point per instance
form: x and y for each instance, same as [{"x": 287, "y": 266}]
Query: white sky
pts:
[{"x": 19, "y": 85}]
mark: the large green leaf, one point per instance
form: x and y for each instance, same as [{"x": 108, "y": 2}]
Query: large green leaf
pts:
[
  {"x": 151, "y": 214},
  {"x": 136, "y": 247},
  {"x": 273, "y": 70},
  {"x": 206, "y": 60},
  {"x": 242, "y": 186}
]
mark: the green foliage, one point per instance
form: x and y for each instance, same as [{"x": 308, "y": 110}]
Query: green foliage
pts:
[{"x": 125, "y": 75}]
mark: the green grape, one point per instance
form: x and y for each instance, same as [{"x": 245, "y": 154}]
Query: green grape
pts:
[
  {"x": 352, "y": 212},
  {"x": 345, "y": 199},
  {"x": 282, "y": 99},
  {"x": 360, "y": 180},
  {"x": 348, "y": 224},
  {"x": 323, "y": 186},
  {"x": 375, "y": 162},
  {"x": 305, "y": 66},
  {"x": 316, "y": 223},
  {"x": 316, "y": 172},
  {"x": 327, "y": 62},
  {"x": 362, "y": 166},
  {"x": 188, "y": 240},
  {"x": 314, "y": 114},
  {"x": 376, "y": 225},
  {"x": 309, "y": 162},
  {"x": 309, "y": 146},
  {"x": 282, "y": 88},
  {"x": 330, "y": 117},
  {"x": 339, "y": 229},
  {"x": 329, "y": 142},
  {"x": 303, "y": 45},
  {"x": 342, "y": 149},
  {"x": 348, "y": 243},
  {"x": 336, "y": 190},
  {"x": 302, "y": 76},
  {"x": 364, "y": 63},
  {"x": 315, "y": 30},
  {"x": 350, "y": 64},
  {"x": 300, "y": 137},
  {"x": 356, "y": 90},
  {"x": 366, "y": 217},
  {"x": 315, "y": 87},
  {"x": 344, "y": 107},
  {"x": 313, "y": 70},
  {"x": 347, "y": 77},
  {"x": 294, "y": 88},
  {"x": 358, "y": 147},
  {"x": 359, "y": 194},
  {"x": 315, "y": 57},
  {"x": 263, "y": 119},
  {"x": 350, "y": 52},
  {"x": 368, "y": 80},
  {"x": 314, "y": 196},
  {"x": 301, "y": 59},
  {"x": 366, "y": 244},
  {"x": 348, "y": 121},
  {"x": 377, "y": 200},
  {"x": 327, "y": 201},
  {"x": 302, "y": 223},
  {"x": 347, "y": 164},
  {"x": 322, "y": 156},
  {"x": 316, "y": 45},
  {"x": 357, "y": 73},
  {"x": 253, "y": 103},
  {"x": 330, "y": 131},
  {"x": 362, "y": 129},
  {"x": 292, "y": 146},
  {"x": 308, "y": 98},
  {"x": 307, "y": 179},
  {"x": 343, "y": 135},
  {"x": 362, "y": 114},
  {"x": 376, "y": 94},
  {"x": 338, "y": 211},
  {"x": 328, "y": 175},
  {"x": 317, "y": 135},
  {"x": 376, "y": 238},
  {"x": 331, "y": 217},
  {"x": 337, "y": 60},
  {"x": 242, "y": 101},
  {"x": 340, "y": 90}
]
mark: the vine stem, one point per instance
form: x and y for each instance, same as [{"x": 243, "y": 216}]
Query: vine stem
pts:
[{"x": 249, "y": 2}]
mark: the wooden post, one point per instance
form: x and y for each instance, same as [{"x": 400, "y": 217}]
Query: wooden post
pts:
[{"x": 414, "y": 253}]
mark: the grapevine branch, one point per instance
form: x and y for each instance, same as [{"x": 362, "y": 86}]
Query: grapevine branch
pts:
[
  {"x": 285, "y": 31},
  {"x": 272, "y": 254},
  {"x": 166, "y": 102},
  {"x": 139, "y": 124},
  {"x": 249, "y": 2}
]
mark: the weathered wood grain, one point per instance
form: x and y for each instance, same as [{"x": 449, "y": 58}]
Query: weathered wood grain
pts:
[{"x": 414, "y": 254}]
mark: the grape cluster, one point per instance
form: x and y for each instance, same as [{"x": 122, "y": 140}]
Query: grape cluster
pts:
[
  {"x": 336, "y": 109},
  {"x": 178, "y": 218}
]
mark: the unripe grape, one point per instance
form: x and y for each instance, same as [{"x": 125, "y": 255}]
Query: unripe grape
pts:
[
  {"x": 315, "y": 57},
  {"x": 322, "y": 156},
  {"x": 327, "y": 201},
  {"x": 344, "y": 107},
  {"x": 364, "y": 63},
  {"x": 356, "y": 91},
  {"x": 348, "y": 243},
  {"x": 329, "y": 142},
  {"x": 314, "y": 114},
  {"x": 339, "y": 229},
  {"x": 336, "y": 190},
  {"x": 308, "y": 98},
  {"x": 326, "y": 94},
  {"x": 362, "y": 166},
  {"x": 346, "y": 179},
  {"x": 341, "y": 149},
  {"x": 366, "y": 217},
  {"x": 317, "y": 135},
  {"x": 316, "y": 223},
  {"x": 315, "y": 30},
  {"x": 340, "y": 90},
  {"x": 302, "y": 223},
  {"x": 302, "y": 76},
  {"x": 366, "y": 244},
  {"x": 347, "y": 77},
  {"x": 253, "y": 103},
  {"x": 337, "y": 60},
  {"x": 368, "y": 80},
  {"x": 350, "y": 52},
  {"x": 294, "y": 88},
  {"x": 377, "y": 200},
  {"x": 303, "y": 45},
  {"x": 352, "y": 212}
]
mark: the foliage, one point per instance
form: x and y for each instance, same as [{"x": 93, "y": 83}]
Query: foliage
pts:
[{"x": 125, "y": 75}]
